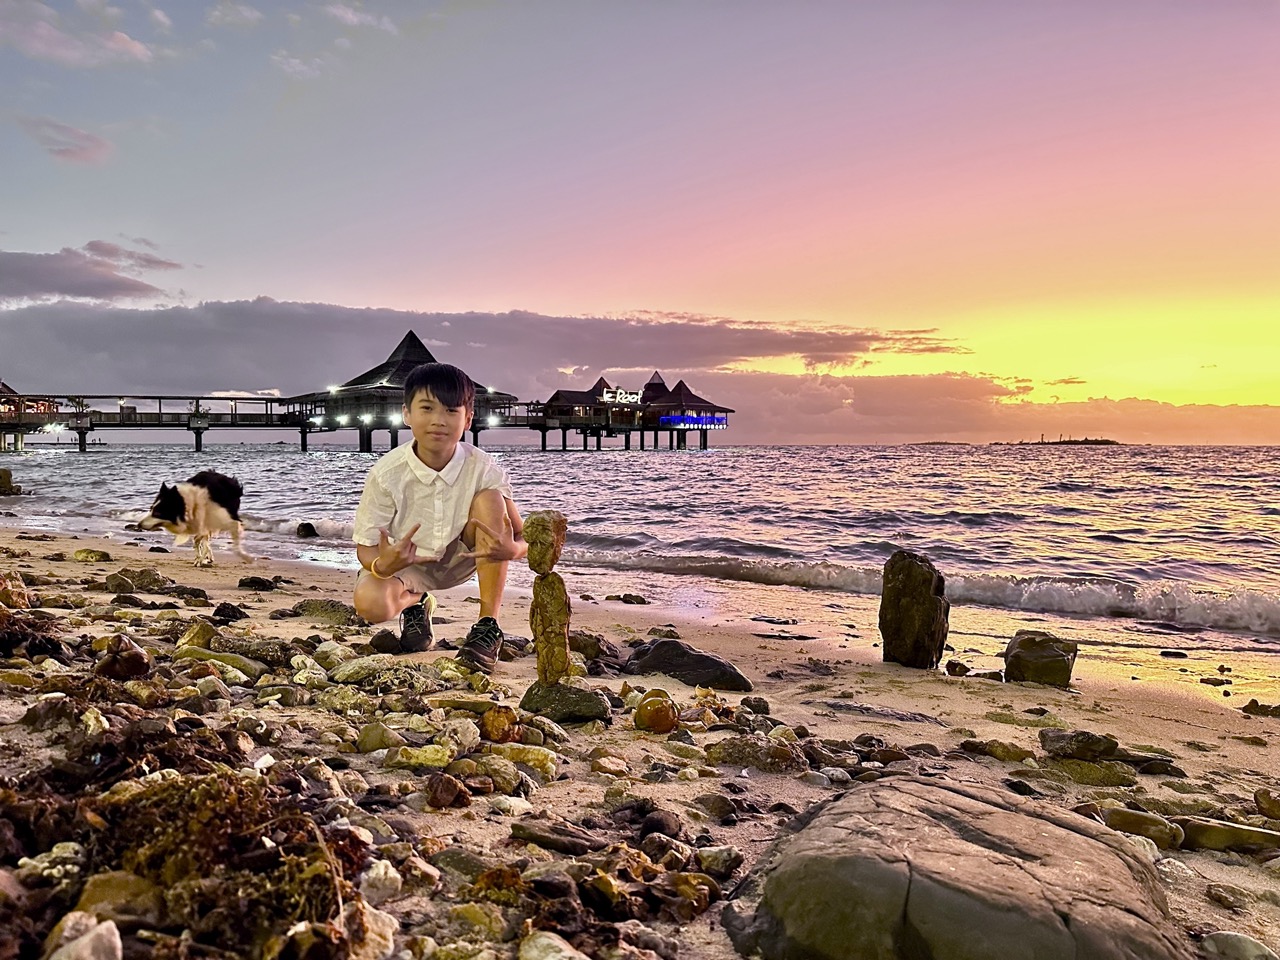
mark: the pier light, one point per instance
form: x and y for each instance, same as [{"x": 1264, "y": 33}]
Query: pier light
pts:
[
  {"x": 398, "y": 417},
  {"x": 490, "y": 389},
  {"x": 333, "y": 388},
  {"x": 343, "y": 419},
  {"x": 317, "y": 420},
  {"x": 366, "y": 418},
  {"x": 493, "y": 420}
]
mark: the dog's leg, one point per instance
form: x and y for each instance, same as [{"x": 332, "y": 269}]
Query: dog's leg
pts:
[
  {"x": 204, "y": 556},
  {"x": 236, "y": 533}
]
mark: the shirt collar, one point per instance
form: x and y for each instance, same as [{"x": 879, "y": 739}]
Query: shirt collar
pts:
[{"x": 452, "y": 470}]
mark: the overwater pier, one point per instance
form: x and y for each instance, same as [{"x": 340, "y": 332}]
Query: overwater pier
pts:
[{"x": 370, "y": 404}]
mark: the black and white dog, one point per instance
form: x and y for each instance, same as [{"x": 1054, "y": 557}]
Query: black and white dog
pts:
[{"x": 206, "y": 504}]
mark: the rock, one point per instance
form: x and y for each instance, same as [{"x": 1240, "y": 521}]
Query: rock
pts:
[
  {"x": 7, "y": 487},
  {"x": 306, "y": 530},
  {"x": 123, "y": 660},
  {"x": 1038, "y": 657},
  {"x": 544, "y": 945},
  {"x": 678, "y": 659},
  {"x": 119, "y": 895},
  {"x": 331, "y": 653},
  {"x": 443, "y": 791},
  {"x": 1234, "y": 946},
  {"x": 1268, "y": 803},
  {"x": 613, "y": 766},
  {"x": 1106, "y": 773},
  {"x": 656, "y": 713},
  {"x": 998, "y": 749},
  {"x": 1228, "y": 895},
  {"x": 332, "y": 613},
  {"x": 913, "y": 611},
  {"x": 757, "y": 705},
  {"x": 373, "y": 931},
  {"x": 378, "y": 736},
  {"x": 87, "y": 555},
  {"x": 719, "y": 862},
  {"x": 956, "y": 668},
  {"x": 13, "y": 592},
  {"x": 434, "y": 756},
  {"x": 116, "y": 583},
  {"x": 199, "y": 634},
  {"x": 146, "y": 579},
  {"x": 664, "y": 822},
  {"x": 251, "y": 668},
  {"x": 569, "y": 701},
  {"x": 915, "y": 867},
  {"x": 380, "y": 882},
  {"x": 560, "y": 837},
  {"x": 1078, "y": 744},
  {"x": 259, "y": 584},
  {"x": 504, "y": 774},
  {"x": 1166, "y": 835},
  {"x": 500, "y": 724},
  {"x": 771, "y": 756},
  {"x": 1204, "y": 833},
  {"x": 541, "y": 759},
  {"x": 228, "y": 613},
  {"x": 100, "y": 943}
]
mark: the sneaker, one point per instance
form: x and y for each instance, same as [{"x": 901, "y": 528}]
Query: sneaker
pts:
[
  {"x": 415, "y": 625},
  {"x": 481, "y": 648}
]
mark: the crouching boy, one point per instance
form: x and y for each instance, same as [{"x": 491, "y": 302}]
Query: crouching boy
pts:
[{"x": 433, "y": 513}]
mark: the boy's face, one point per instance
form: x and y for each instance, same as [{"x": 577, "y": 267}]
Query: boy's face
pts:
[{"x": 436, "y": 427}]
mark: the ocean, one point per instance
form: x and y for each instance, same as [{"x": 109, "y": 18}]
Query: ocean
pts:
[{"x": 1168, "y": 544}]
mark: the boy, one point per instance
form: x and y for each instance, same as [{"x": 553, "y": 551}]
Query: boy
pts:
[{"x": 433, "y": 513}]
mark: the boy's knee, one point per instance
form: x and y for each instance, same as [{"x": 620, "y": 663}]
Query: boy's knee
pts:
[{"x": 487, "y": 505}]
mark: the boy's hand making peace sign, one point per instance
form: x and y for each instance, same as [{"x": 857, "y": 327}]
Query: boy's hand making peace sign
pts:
[
  {"x": 394, "y": 556},
  {"x": 493, "y": 544}
]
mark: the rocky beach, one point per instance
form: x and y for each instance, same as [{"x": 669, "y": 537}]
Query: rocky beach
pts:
[{"x": 220, "y": 763}]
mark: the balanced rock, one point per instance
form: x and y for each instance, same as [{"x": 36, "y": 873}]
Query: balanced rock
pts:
[
  {"x": 913, "y": 611},
  {"x": 675, "y": 658},
  {"x": 914, "y": 868},
  {"x": 1039, "y": 657}
]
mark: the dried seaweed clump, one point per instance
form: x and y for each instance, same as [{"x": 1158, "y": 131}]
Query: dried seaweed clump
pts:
[{"x": 239, "y": 863}]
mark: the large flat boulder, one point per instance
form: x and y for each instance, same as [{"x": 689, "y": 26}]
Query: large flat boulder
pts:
[
  {"x": 920, "y": 869},
  {"x": 688, "y": 664}
]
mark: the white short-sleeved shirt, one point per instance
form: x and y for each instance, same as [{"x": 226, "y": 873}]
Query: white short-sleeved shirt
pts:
[{"x": 401, "y": 490}]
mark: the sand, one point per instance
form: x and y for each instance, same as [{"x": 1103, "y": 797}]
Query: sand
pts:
[{"x": 1132, "y": 693}]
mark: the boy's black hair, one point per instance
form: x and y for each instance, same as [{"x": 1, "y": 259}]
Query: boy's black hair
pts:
[{"x": 444, "y": 381}]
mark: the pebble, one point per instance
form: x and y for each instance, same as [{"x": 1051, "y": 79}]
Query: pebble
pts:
[
  {"x": 544, "y": 945},
  {"x": 100, "y": 943},
  {"x": 815, "y": 779},
  {"x": 381, "y": 882}
]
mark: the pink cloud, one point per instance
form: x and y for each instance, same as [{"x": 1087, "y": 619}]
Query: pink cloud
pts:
[
  {"x": 66, "y": 142},
  {"x": 36, "y": 30},
  {"x": 142, "y": 261},
  {"x": 355, "y": 18}
]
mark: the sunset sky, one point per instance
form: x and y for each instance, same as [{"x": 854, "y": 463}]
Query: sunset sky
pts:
[{"x": 852, "y": 221}]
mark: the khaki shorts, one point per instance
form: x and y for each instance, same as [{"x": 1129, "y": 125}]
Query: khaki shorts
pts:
[{"x": 449, "y": 571}]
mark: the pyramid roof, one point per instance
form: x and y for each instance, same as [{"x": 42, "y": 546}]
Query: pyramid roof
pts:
[{"x": 392, "y": 372}]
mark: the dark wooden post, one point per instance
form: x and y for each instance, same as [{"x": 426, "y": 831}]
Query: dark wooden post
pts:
[
  {"x": 642, "y": 438},
  {"x": 598, "y": 436},
  {"x": 395, "y": 438},
  {"x": 302, "y": 439},
  {"x": 585, "y": 436},
  {"x": 544, "y": 439},
  {"x": 626, "y": 440},
  {"x": 702, "y": 439},
  {"x": 475, "y": 436},
  {"x": 671, "y": 439},
  {"x": 564, "y": 438}
]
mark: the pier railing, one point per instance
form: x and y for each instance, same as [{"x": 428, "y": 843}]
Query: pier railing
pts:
[{"x": 22, "y": 415}]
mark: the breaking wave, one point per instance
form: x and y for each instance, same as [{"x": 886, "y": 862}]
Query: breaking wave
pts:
[{"x": 1168, "y": 601}]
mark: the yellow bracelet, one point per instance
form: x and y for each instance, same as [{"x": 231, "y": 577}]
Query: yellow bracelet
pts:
[{"x": 373, "y": 568}]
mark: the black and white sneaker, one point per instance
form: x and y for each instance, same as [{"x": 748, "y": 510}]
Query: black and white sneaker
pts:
[
  {"x": 483, "y": 644},
  {"x": 415, "y": 626}
]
